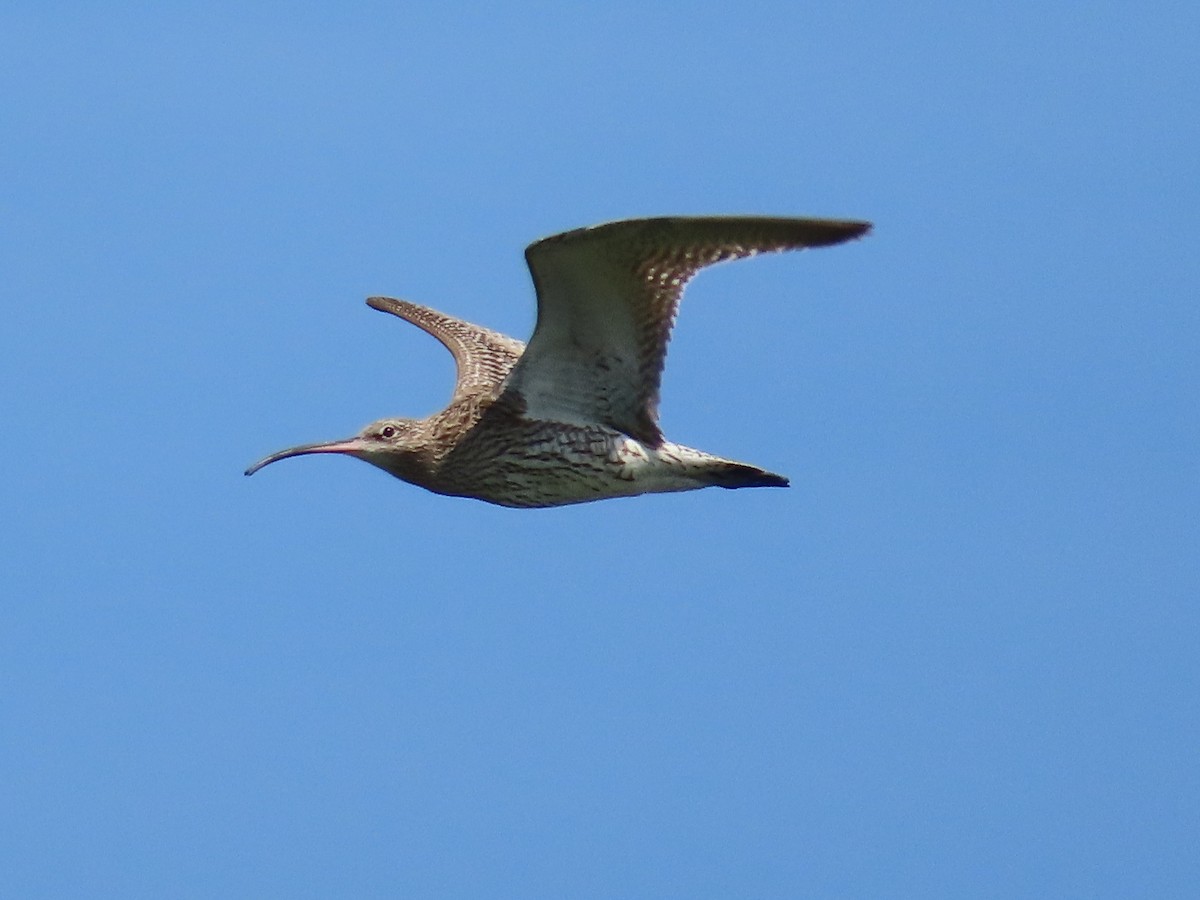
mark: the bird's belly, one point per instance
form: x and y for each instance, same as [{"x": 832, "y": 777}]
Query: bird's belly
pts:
[{"x": 555, "y": 467}]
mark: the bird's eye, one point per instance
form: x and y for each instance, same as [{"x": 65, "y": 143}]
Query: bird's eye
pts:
[{"x": 388, "y": 431}]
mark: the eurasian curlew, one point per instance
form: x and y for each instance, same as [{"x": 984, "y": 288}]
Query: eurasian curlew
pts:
[{"x": 573, "y": 416}]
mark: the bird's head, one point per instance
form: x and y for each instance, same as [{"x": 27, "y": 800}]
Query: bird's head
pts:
[{"x": 389, "y": 444}]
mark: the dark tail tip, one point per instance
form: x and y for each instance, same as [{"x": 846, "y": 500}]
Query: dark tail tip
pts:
[{"x": 739, "y": 475}]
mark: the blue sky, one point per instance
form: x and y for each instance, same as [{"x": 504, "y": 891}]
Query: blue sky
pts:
[{"x": 956, "y": 658}]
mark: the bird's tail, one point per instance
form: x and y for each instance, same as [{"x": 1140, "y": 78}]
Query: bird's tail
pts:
[{"x": 729, "y": 474}]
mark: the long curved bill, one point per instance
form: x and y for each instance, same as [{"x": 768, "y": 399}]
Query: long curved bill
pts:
[{"x": 347, "y": 446}]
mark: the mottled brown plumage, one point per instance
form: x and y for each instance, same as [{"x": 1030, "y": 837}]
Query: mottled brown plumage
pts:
[{"x": 574, "y": 417}]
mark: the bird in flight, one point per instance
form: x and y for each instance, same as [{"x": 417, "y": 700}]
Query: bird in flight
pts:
[{"x": 573, "y": 416}]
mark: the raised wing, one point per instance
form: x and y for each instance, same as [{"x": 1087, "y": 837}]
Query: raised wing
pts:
[
  {"x": 483, "y": 357},
  {"x": 607, "y": 298}
]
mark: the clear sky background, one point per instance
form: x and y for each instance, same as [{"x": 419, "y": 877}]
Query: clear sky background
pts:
[{"x": 957, "y": 658}]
